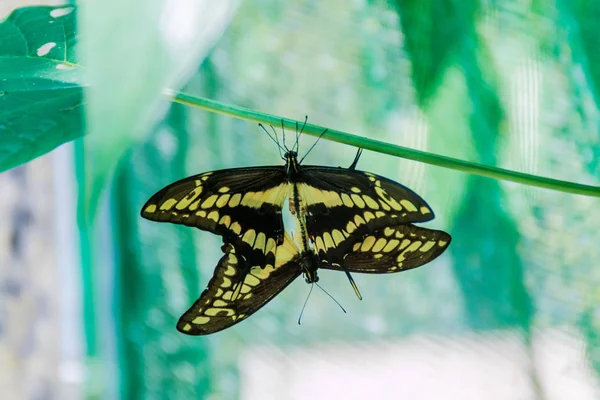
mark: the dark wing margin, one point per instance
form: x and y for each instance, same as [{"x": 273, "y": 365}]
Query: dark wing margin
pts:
[
  {"x": 233, "y": 295},
  {"x": 240, "y": 203},
  {"x": 394, "y": 249},
  {"x": 343, "y": 204}
]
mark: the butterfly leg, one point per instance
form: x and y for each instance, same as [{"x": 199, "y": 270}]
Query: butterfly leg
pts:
[{"x": 358, "y": 153}]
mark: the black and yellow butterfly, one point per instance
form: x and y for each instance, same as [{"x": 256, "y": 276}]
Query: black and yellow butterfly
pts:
[
  {"x": 335, "y": 210},
  {"x": 232, "y": 295}
]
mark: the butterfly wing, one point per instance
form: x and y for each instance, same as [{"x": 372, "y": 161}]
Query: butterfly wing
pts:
[
  {"x": 342, "y": 204},
  {"x": 233, "y": 294},
  {"x": 239, "y": 203},
  {"x": 394, "y": 249}
]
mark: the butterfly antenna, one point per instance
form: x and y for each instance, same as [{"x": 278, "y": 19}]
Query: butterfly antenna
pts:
[
  {"x": 273, "y": 138},
  {"x": 331, "y": 297},
  {"x": 283, "y": 132},
  {"x": 358, "y": 153},
  {"x": 298, "y": 134},
  {"x": 304, "y": 306},
  {"x": 313, "y": 146}
]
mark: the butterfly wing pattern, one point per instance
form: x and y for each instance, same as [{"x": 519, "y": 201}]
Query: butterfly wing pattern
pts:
[
  {"x": 355, "y": 221},
  {"x": 394, "y": 249},
  {"x": 344, "y": 204},
  {"x": 242, "y": 204},
  {"x": 233, "y": 295}
]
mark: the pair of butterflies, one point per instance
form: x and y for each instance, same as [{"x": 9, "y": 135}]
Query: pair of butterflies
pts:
[{"x": 346, "y": 220}]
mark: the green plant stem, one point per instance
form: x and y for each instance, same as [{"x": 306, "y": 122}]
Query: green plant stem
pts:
[{"x": 388, "y": 148}]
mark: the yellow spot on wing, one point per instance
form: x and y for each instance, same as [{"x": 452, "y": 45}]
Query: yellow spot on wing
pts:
[
  {"x": 319, "y": 244},
  {"x": 442, "y": 243},
  {"x": 200, "y": 320},
  {"x": 408, "y": 205},
  {"x": 187, "y": 200},
  {"x": 427, "y": 246},
  {"x": 346, "y": 200},
  {"x": 226, "y": 283},
  {"x": 225, "y": 220},
  {"x": 251, "y": 280},
  {"x": 369, "y": 216},
  {"x": 328, "y": 240},
  {"x": 370, "y": 202},
  {"x": 236, "y": 228},
  {"x": 246, "y": 289},
  {"x": 391, "y": 245},
  {"x": 312, "y": 195},
  {"x": 385, "y": 205},
  {"x": 213, "y": 312},
  {"x": 337, "y": 236},
  {"x": 150, "y": 209},
  {"x": 379, "y": 245},
  {"x": 286, "y": 251},
  {"x": 270, "y": 245},
  {"x": 230, "y": 271},
  {"x": 227, "y": 295},
  {"x": 210, "y": 201},
  {"x": 168, "y": 204},
  {"x": 214, "y": 215},
  {"x": 359, "y": 220},
  {"x": 394, "y": 204},
  {"x": 235, "y": 200},
  {"x": 273, "y": 196},
  {"x": 249, "y": 237},
  {"x": 413, "y": 247},
  {"x": 358, "y": 201},
  {"x": 351, "y": 227},
  {"x": 222, "y": 200},
  {"x": 187, "y": 327},
  {"x": 367, "y": 243},
  {"x": 220, "y": 303},
  {"x": 261, "y": 273},
  {"x": 355, "y": 189},
  {"x": 260, "y": 242},
  {"x": 248, "y": 200},
  {"x": 425, "y": 210},
  {"x": 224, "y": 189}
]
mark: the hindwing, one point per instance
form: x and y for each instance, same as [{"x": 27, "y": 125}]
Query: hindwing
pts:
[
  {"x": 342, "y": 204},
  {"x": 393, "y": 249},
  {"x": 236, "y": 291},
  {"x": 239, "y": 203}
]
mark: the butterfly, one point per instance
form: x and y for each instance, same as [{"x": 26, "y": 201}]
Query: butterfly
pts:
[
  {"x": 335, "y": 209},
  {"x": 232, "y": 295}
]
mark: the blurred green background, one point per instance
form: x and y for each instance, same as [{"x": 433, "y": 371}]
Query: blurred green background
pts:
[{"x": 510, "y": 311}]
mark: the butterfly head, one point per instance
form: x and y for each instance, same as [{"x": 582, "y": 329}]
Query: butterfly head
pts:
[{"x": 292, "y": 166}]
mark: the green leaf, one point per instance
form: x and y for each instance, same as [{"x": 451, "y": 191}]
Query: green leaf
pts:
[{"x": 40, "y": 87}]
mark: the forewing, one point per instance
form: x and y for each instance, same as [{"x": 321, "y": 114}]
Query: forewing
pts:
[
  {"x": 240, "y": 203},
  {"x": 233, "y": 295},
  {"x": 394, "y": 249},
  {"x": 342, "y": 204}
]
